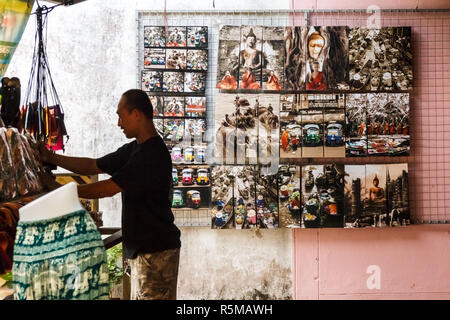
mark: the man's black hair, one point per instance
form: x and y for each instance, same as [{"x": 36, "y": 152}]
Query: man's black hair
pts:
[{"x": 138, "y": 99}]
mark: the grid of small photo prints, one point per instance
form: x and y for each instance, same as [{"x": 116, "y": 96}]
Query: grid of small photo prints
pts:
[{"x": 174, "y": 76}]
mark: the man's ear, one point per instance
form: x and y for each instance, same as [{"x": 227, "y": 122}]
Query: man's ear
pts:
[{"x": 137, "y": 113}]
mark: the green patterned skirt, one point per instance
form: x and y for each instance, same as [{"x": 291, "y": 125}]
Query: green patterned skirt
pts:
[{"x": 61, "y": 258}]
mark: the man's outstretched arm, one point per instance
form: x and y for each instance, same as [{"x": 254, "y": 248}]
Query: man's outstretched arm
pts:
[
  {"x": 96, "y": 190},
  {"x": 74, "y": 164},
  {"x": 100, "y": 189}
]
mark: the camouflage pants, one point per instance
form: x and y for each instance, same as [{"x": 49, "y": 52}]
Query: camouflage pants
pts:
[{"x": 154, "y": 275}]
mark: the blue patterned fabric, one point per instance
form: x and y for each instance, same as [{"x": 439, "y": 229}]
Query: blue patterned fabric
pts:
[{"x": 61, "y": 258}]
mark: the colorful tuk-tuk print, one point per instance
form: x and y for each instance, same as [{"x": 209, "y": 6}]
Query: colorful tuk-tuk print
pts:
[
  {"x": 199, "y": 154},
  {"x": 193, "y": 199},
  {"x": 176, "y": 155},
  {"x": 202, "y": 177},
  {"x": 187, "y": 178},
  {"x": 175, "y": 177},
  {"x": 177, "y": 200},
  {"x": 334, "y": 146}
]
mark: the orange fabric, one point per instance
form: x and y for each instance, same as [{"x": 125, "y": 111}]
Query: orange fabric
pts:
[
  {"x": 248, "y": 81},
  {"x": 284, "y": 140},
  {"x": 228, "y": 82},
  {"x": 317, "y": 83},
  {"x": 272, "y": 83}
]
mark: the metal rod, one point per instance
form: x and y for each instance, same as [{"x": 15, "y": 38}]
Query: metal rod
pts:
[{"x": 287, "y": 11}]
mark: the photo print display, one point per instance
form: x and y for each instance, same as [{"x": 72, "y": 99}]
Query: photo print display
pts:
[
  {"x": 225, "y": 127},
  {"x": 323, "y": 196},
  {"x": 312, "y": 126},
  {"x": 315, "y": 58},
  {"x": 336, "y": 64},
  {"x": 176, "y": 37},
  {"x": 154, "y": 37},
  {"x": 267, "y": 200},
  {"x": 375, "y": 201},
  {"x": 294, "y": 60},
  {"x": 245, "y": 215},
  {"x": 195, "y": 107},
  {"x": 228, "y": 63},
  {"x": 398, "y": 213},
  {"x": 159, "y": 126},
  {"x": 157, "y": 104},
  {"x": 386, "y": 200},
  {"x": 273, "y": 56},
  {"x": 176, "y": 59},
  {"x": 354, "y": 195},
  {"x": 380, "y": 59},
  {"x": 197, "y": 37},
  {"x": 289, "y": 196},
  {"x": 152, "y": 81},
  {"x": 192, "y": 178},
  {"x": 267, "y": 108},
  {"x": 173, "y": 130},
  {"x": 388, "y": 124},
  {"x": 356, "y": 119},
  {"x": 240, "y": 121},
  {"x": 155, "y": 58},
  {"x": 246, "y": 128},
  {"x": 290, "y": 126},
  {"x": 173, "y": 82},
  {"x": 222, "y": 214},
  {"x": 317, "y": 46},
  {"x": 195, "y": 129},
  {"x": 194, "y": 81},
  {"x": 334, "y": 125},
  {"x": 197, "y": 60},
  {"x": 173, "y": 106},
  {"x": 186, "y": 153},
  {"x": 191, "y": 194},
  {"x": 251, "y": 59}
]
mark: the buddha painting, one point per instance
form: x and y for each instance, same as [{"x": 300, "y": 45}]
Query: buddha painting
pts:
[
  {"x": 315, "y": 45},
  {"x": 316, "y": 79},
  {"x": 376, "y": 193}
]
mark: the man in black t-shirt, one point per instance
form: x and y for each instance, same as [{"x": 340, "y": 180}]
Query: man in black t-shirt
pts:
[{"x": 142, "y": 171}]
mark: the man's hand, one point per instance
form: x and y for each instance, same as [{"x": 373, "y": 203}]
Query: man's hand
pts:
[
  {"x": 48, "y": 181},
  {"x": 44, "y": 153}
]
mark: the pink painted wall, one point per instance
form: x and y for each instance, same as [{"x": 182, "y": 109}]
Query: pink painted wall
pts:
[
  {"x": 414, "y": 262},
  {"x": 384, "y": 4}
]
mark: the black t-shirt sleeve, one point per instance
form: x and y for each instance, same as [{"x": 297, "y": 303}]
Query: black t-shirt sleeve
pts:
[
  {"x": 112, "y": 162},
  {"x": 131, "y": 177}
]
